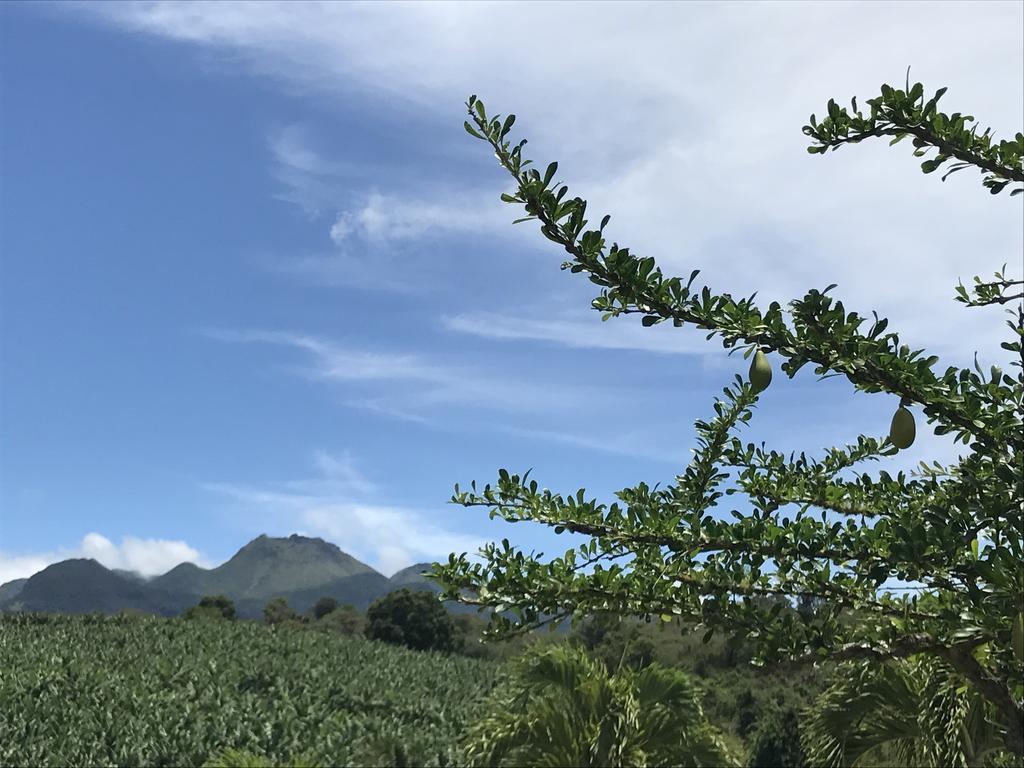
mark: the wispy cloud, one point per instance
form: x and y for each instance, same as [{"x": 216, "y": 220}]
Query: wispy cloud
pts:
[
  {"x": 705, "y": 171},
  {"x": 148, "y": 557},
  {"x": 387, "y": 218},
  {"x": 413, "y": 386},
  {"x": 622, "y": 444},
  {"x": 388, "y": 242},
  {"x": 308, "y": 180},
  {"x": 385, "y": 536},
  {"x": 578, "y": 330}
]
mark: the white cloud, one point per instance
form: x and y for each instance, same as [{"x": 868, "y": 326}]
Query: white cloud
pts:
[
  {"x": 393, "y": 242},
  {"x": 583, "y": 330},
  {"x": 384, "y": 218},
  {"x": 148, "y": 557},
  {"x": 22, "y": 566},
  {"x": 623, "y": 444},
  {"x": 684, "y": 122},
  {"x": 386, "y": 537},
  {"x": 411, "y": 387}
]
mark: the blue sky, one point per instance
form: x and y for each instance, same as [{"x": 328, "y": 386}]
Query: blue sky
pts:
[{"x": 254, "y": 277}]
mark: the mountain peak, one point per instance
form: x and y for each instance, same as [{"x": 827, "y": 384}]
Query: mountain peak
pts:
[
  {"x": 414, "y": 576},
  {"x": 300, "y": 568}
]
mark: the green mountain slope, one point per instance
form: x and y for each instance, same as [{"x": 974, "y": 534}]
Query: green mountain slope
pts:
[
  {"x": 413, "y": 577},
  {"x": 298, "y": 568},
  {"x": 265, "y": 568},
  {"x": 85, "y": 586},
  {"x": 10, "y": 589}
]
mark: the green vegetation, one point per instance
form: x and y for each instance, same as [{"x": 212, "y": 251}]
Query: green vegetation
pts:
[
  {"x": 344, "y": 619},
  {"x": 777, "y": 743},
  {"x": 559, "y": 706},
  {"x": 914, "y": 712},
  {"x": 95, "y": 690},
  {"x": 277, "y": 611},
  {"x": 413, "y": 618},
  {"x": 212, "y": 607},
  {"x": 819, "y": 529},
  {"x": 324, "y": 606}
]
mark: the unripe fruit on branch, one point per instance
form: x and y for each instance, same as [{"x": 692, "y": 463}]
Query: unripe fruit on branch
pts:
[
  {"x": 902, "y": 430},
  {"x": 760, "y": 372}
]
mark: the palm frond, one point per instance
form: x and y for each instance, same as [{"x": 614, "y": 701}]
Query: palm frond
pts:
[
  {"x": 914, "y": 712},
  {"x": 561, "y": 708}
]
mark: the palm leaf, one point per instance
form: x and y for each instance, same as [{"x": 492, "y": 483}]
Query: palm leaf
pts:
[
  {"x": 559, "y": 707},
  {"x": 914, "y": 712}
]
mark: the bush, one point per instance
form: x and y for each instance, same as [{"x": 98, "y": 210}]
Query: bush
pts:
[
  {"x": 344, "y": 620},
  {"x": 277, "y": 611},
  {"x": 777, "y": 742},
  {"x": 212, "y": 607},
  {"x": 415, "y": 619},
  {"x": 747, "y": 711},
  {"x": 324, "y": 606}
]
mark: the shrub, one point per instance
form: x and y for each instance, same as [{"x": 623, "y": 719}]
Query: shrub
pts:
[
  {"x": 324, "y": 606},
  {"x": 344, "y": 620},
  {"x": 415, "y": 619},
  {"x": 212, "y": 607},
  {"x": 277, "y": 611},
  {"x": 777, "y": 742}
]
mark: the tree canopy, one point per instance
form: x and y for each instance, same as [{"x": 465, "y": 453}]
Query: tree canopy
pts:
[
  {"x": 413, "y": 618},
  {"x": 212, "y": 606},
  {"x": 898, "y": 564}
]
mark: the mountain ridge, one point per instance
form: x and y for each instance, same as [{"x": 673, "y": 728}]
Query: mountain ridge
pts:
[{"x": 298, "y": 568}]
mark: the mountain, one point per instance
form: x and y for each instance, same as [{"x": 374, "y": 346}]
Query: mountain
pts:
[
  {"x": 130, "y": 575},
  {"x": 413, "y": 577},
  {"x": 9, "y": 590},
  {"x": 298, "y": 568},
  {"x": 267, "y": 567},
  {"x": 85, "y": 586}
]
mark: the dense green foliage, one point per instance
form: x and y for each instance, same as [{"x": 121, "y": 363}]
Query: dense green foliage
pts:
[
  {"x": 324, "y": 606},
  {"x": 88, "y": 690},
  {"x": 413, "y": 618},
  {"x": 559, "y": 706},
  {"x": 811, "y": 528},
  {"x": 344, "y": 619},
  {"x": 911, "y": 712},
  {"x": 212, "y": 607},
  {"x": 777, "y": 742},
  {"x": 277, "y": 611}
]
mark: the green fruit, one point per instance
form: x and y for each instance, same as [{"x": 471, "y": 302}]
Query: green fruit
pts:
[
  {"x": 1017, "y": 638},
  {"x": 902, "y": 430},
  {"x": 760, "y": 372}
]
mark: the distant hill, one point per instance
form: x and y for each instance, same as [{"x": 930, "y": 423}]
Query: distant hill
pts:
[
  {"x": 413, "y": 576},
  {"x": 266, "y": 568},
  {"x": 9, "y": 590},
  {"x": 298, "y": 568},
  {"x": 85, "y": 586}
]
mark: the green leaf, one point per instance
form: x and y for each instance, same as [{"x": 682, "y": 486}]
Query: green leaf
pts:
[{"x": 550, "y": 173}]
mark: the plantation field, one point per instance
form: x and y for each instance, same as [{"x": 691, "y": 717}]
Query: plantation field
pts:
[{"x": 94, "y": 690}]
